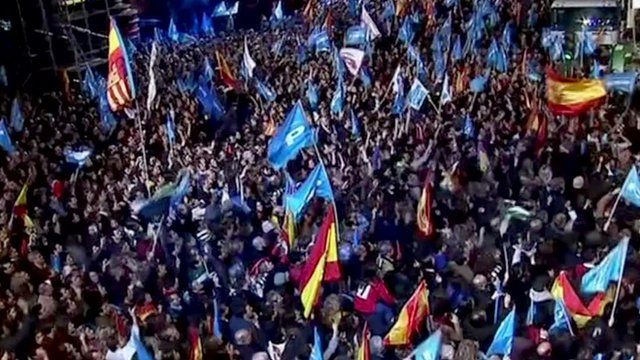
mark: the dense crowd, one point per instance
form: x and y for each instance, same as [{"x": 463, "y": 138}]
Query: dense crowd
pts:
[{"x": 90, "y": 271}]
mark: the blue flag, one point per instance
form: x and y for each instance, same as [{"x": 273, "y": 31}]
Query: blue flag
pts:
[
  {"x": 507, "y": 36},
  {"x": 407, "y": 32},
  {"x": 89, "y": 86},
  {"x": 210, "y": 103},
  {"x": 220, "y": 10},
  {"x": 265, "y": 91},
  {"x": 141, "y": 351},
  {"x": 430, "y": 348},
  {"x": 355, "y": 125},
  {"x": 5, "y": 140},
  {"x": 79, "y": 157},
  {"x": 107, "y": 121},
  {"x": 338, "y": 64},
  {"x": 389, "y": 10},
  {"x": 355, "y": 35},
  {"x": 319, "y": 40},
  {"x": 609, "y": 269},
  {"x": 312, "y": 96},
  {"x": 171, "y": 128},
  {"x": 316, "y": 351},
  {"x": 478, "y": 84},
  {"x": 503, "y": 339},
  {"x": 624, "y": 82},
  {"x": 217, "y": 332},
  {"x": 195, "y": 26},
  {"x": 496, "y": 58},
  {"x": 292, "y": 136},
  {"x": 208, "y": 70},
  {"x": 172, "y": 32},
  {"x": 365, "y": 77},
  {"x": 469, "y": 128},
  {"x": 561, "y": 320},
  {"x": 456, "y": 53},
  {"x": 207, "y": 25},
  {"x": 631, "y": 187},
  {"x": 337, "y": 101},
  {"x": 417, "y": 94},
  {"x": 278, "y": 14},
  {"x": 17, "y": 118},
  {"x": 316, "y": 184}
]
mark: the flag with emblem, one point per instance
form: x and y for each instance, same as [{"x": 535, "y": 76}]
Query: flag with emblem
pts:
[{"x": 120, "y": 88}]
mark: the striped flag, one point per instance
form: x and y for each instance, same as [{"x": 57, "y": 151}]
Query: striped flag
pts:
[
  {"x": 322, "y": 263},
  {"x": 581, "y": 313},
  {"x": 424, "y": 212},
  {"x": 228, "y": 78},
  {"x": 573, "y": 97},
  {"x": 364, "y": 351},
  {"x": 195, "y": 345},
  {"x": 120, "y": 88},
  {"x": 411, "y": 318}
]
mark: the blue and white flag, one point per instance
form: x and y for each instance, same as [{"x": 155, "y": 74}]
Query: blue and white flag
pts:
[
  {"x": 355, "y": 125},
  {"x": 389, "y": 10},
  {"x": 220, "y": 10},
  {"x": 445, "y": 95},
  {"x": 356, "y": 35},
  {"x": 278, "y": 14},
  {"x": 319, "y": 40},
  {"x": 172, "y": 32},
  {"x": 295, "y": 134},
  {"x": 247, "y": 61},
  {"x": 316, "y": 184},
  {"x": 89, "y": 85},
  {"x": 312, "y": 95},
  {"x": 502, "y": 343},
  {"x": 367, "y": 22},
  {"x": 407, "y": 31},
  {"x": 265, "y": 91},
  {"x": 337, "y": 101},
  {"x": 478, "y": 84},
  {"x": 469, "y": 129},
  {"x": 210, "y": 103},
  {"x": 316, "y": 351},
  {"x": 365, "y": 77},
  {"x": 5, "y": 140},
  {"x": 631, "y": 187},
  {"x": 456, "y": 52},
  {"x": 417, "y": 94},
  {"x": 17, "y": 117},
  {"x": 624, "y": 82},
  {"x": 79, "y": 157},
  {"x": 561, "y": 320},
  {"x": 353, "y": 59},
  {"x": 338, "y": 64}
]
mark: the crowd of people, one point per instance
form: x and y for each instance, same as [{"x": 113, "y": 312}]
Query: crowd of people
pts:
[{"x": 82, "y": 270}]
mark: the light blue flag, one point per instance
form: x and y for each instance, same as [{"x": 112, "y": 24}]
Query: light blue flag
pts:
[
  {"x": 5, "y": 140},
  {"x": 208, "y": 70},
  {"x": 561, "y": 320},
  {"x": 17, "y": 117},
  {"x": 355, "y": 125},
  {"x": 266, "y": 92},
  {"x": 338, "y": 63},
  {"x": 398, "y": 103},
  {"x": 599, "y": 356},
  {"x": 430, "y": 348},
  {"x": 171, "y": 128},
  {"x": 292, "y": 136},
  {"x": 207, "y": 25},
  {"x": 142, "y": 353},
  {"x": 320, "y": 41},
  {"x": 181, "y": 189},
  {"x": 588, "y": 44},
  {"x": 478, "y": 84},
  {"x": 316, "y": 184},
  {"x": 417, "y": 94},
  {"x": 278, "y": 14},
  {"x": 107, "y": 120},
  {"x": 557, "y": 47},
  {"x": 631, "y": 187},
  {"x": 503, "y": 339},
  {"x": 79, "y": 157},
  {"x": 355, "y": 35},
  {"x": 316, "y": 351},
  {"x": 456, "y": 53},
  {"x": 217, "y": 332},
  {"x": 172, "y": 32},
  {"x": 4, "y": 81},
  {"x": 611, "y": 267},
  {"x": 389, "y": 10},
  {"x": 89, "y": 86},
  {"x": 624, "y": 82},
  {"x": 337, "y": 101},
  {"x": 365, "y": 77},
  {"x": 220, "y": 10},
  {"x": 469, "y": 129},
  {"x": 531, "y": 313},
  {"x": 210, "y": 103},
  {"x": 312, "y": 95},
  {"x": 413, "y": 55},
  {"x": 496, "y": 58},
  {"x": 277, "y": 46},
  {"x": 445, "y": 33},
  {"x": 407, "y": 32},
  {"x": 507, "y": 36}
]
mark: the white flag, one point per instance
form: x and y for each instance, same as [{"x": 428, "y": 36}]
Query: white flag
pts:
[
  {"x": 445, "y": 94},
  {"x": 247, "y": 61},
  {"x": 152, "y": 77},
  {"x": 396, "y": 80},
  {"x": 368, "y": 23},
  {"x": 352, "y": 59}
]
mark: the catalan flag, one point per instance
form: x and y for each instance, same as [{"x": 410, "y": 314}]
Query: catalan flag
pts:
[
  {"x": 21, "y": 209},
  {"x": 226, "y": 74},
  {"x": 424, "y": 212},
  {"x": 195, "y": 345},
  {"x": 120, "y": 88},
  {"x": 322, "y": 263},
  {"x": 364, "y": 351},
  {"x": 573, "y": 97},
  {"x": 581, "y": 314},
  {"x": 411, "y": 318}
]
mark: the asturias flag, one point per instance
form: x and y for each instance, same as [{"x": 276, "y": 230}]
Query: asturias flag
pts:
[
  {"x": 412, "y": 317},
  {"x": 120, "y": 88}
]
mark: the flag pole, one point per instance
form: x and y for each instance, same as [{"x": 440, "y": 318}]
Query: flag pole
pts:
[
  {"x": 615, "y": 300},
  {"x": 615, "y": 205},
  {"x": 144, "y": 149}
]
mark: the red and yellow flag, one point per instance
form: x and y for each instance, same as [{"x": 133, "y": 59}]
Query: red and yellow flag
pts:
[
  {"x": 424, "y": 213},
  {"x": 120, "y": 88},
  {"x": 581, "y": 314},
  {"x": 195, "y": 345},
  {"x": 412, "y": 317},
  {"x": 228, "y": 77},
  {"x": 364, "y": 352},
  {"x": 289, "y": 228},
  {"x": 322, "y": 263},
  {"x": 21, "y": 209},
  {"x": 573, "y": 97},
  {"x": 309, "y": 10}
]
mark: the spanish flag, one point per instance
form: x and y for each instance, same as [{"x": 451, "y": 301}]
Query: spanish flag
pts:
[
  {"x": 195, "y": 345},
  {"x": 20, "y": 207},
  {"x": 322, "y": 263},
  {"x": 581, "y": 314},
  {"x": 289, "y": 228},
  {"x": 120, "y": 88},
  {"x": 364, "y": 352},
  {"x": 412, "y": 317},
  {"x": 424, "y": 212},
  {"x": 226, "y": 74},
  {"x": 573, "y": 97}
]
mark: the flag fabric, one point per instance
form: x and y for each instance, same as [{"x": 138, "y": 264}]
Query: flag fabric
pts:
[
  {"x": 322, "y": 263},
  {"x": 469, "y": 128},
  {"x": 266, "y": 92},
  {"x": 292, "y": 136},
  {"x": 478, "y": 84},
  {"x": 611, "y": 268},
  {"x": 397, "y": 82},
  {"x": 209, "y": 100},
  {"x": 365, "y": 77},
  {"x": 581, "y": 313},
  {"x": 20, "y": 207},
  {"x": 445, "y": 94},
  {"x": 5, "y": 139},
  {"x": 338, "y": 63},
  {"x": 164, "y": 198},
  {"x": 120, "y": 88},
  {"x": 406, "y": 32},
  {"x": 456, "y": 52},
  {"x": 430, "y": 348},
  {"x": 355, "y": 125},
  {"x": 389, "y": 10},
  {"x": 79, "y": 157},
  {"x": 312, "y": 95},
  {"x": 227, "y": 76},
  {"x": 316, "y": 184},
  {"x": 278, "y": 14},
  {"x": 4, "y": 81},
  {"x": 424, "y": 217},
  {"x": 17, "y": 117},
  {"x": 514, "y": 212},
  {"x": 411, "y": 318},
  {"x": 247, "y": 61},
  {"x": 417, "y": 94},
  {"x": 195, "y": 345},
  {"x": 207, "y": 25},
  {"x": 353, "y": 59},
  {"x": 208, "y": 70},
  {"x": 141, "y": 352},
  {"x": 172, "y": 31},
  {"x": 496, "y": 58},
  {"x": 89, "y": 85},
  {"x": 319, "y": 40},
  {"x": 337, "y": 101},
  {"x": 624, "y": 82},
  {"x": 503, "y": 339},
  {"x": 364, "y": 350},
  {"x": 221, "y": 9},
  {"x": 217, "y": 332},
  {"x": 561, "y": 320},
  {"x": 631, "y": 187},
  {"x": 368, "y": 23},
  {"x": 572, "y": 97},
  {"x": 171, "y": 128},
  {"x": 316, "y": 351},
  {"x": 152, "y": 77}
]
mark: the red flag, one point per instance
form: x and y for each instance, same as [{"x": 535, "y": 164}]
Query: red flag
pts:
[{"x": 195, "y": 345}]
